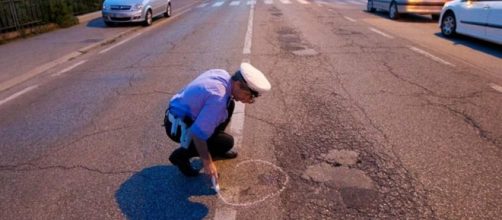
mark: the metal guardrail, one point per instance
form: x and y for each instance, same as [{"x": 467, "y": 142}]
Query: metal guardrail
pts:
[{"x": 17, "y": 15}]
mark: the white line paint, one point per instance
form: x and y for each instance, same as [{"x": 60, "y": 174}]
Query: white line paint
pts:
[
  {"x": 202, "y": 5},
  {"x": 285, "y": 2},
  {"x": 69, "y": 68},
  {"x": 225, "y": 214},
  {"x": 17, "y": 94},
  {"x": 40, "y": 69},
  {"x": 119, "y": 43},
  {"x": 218, "y": 4},
  {"x": 350, "y": 19},
  {"x": 268, "y": 2},
  {"x": 249, "y": 32},
  {"x": 236, "y": 127},
  {"x": 251, "y": 3},
  {"x": 237, "y": 123},
  {"x": 496, "y": 87},
  {"x": 435, "y": 58},
  {"x": 303, "y": 2},
  {"x": 381, "y": 33},
  {"x": 356, "y": 3},
  {"x": 235, "y": 3}
]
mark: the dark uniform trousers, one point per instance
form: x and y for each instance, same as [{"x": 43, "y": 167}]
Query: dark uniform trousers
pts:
[{"x": 218, "y": 144}]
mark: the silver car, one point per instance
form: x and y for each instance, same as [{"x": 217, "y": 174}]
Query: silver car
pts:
[
  {"x": 124, "y": 11},
  {"x": 397, "y": 7}
]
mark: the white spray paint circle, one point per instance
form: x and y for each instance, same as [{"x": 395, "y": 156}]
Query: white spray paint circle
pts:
[{"x": 267, "y": 196}]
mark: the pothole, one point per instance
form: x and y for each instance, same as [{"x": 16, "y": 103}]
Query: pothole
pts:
[
  {"x": 358, "y": 198},
  {"x": 338, "y": 177},
  {"x": 341, "y": 157}
]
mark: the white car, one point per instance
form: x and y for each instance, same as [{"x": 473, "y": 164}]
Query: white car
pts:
[
  {"x": 476, "y": 18},
  {"x": 124, "y": 11},
  {"x": 397, "y": 7}
]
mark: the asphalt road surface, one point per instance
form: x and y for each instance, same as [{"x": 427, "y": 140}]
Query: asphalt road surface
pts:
[{"x": 368, "y": 118}]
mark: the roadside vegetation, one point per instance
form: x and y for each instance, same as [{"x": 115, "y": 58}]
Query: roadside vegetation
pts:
[{"x": 21, "y": 18}]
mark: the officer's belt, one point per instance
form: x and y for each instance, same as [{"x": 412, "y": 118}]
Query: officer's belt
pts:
[{"x": 185, "y": 136}]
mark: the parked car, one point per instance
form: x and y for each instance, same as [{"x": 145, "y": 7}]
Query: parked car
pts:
[
  {"x": 125, "y": 11},
  {"x": 476, "y": 18},
  {"x": 397, "y": 7}
]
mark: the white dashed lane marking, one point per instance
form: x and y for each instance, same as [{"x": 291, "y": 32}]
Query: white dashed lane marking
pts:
[
  {"x": 202, "y": 5},
  {"x": 218, "y": 4},
  {"x": 350, "y": 19},
  {"x": 496, "y": 87},
  {"x": 303, "y": 2},
  {"x": 381, "y": 33},
  {"x": 435, "y": 58},
  {"x": 17, "y": 94},
  {"x": 69, "y": 68},
  {"x": 119, "y": 43}
]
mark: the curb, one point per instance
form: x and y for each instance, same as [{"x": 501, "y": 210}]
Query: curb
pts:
[
  {"x": 74, "y": 54},
  {"x": 70, "y": 56},
  {"x": 89, "y": 16}
]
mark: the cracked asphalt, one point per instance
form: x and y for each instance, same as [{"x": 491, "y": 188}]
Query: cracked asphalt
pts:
[{"x": 359, "y": 126}]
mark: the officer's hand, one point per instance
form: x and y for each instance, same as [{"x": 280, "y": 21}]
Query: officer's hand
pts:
[{"x": 210, "y": 169}]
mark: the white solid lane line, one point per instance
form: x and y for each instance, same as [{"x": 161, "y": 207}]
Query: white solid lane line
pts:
[
  {"x": 249, "y": 33},
  {"x": 69, "y": 68},
  {"x": 381, "y": 33},
  {"x": 119, "y": 43},
  {"x": 435, "y": 58},
  {"x": 236, "y": 126},
  {"x": 235, "y": 3},
  {"x": 303, "y": 2},
  {"x": 17, "y": 94}
]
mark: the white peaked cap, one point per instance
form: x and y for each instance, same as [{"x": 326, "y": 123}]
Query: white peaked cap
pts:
[{"x": 255, "y": 79}]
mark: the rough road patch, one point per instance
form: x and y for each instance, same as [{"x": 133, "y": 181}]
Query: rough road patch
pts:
[
  {"x": 262, "y": 180},
  {"x": 338, "y": 177}
]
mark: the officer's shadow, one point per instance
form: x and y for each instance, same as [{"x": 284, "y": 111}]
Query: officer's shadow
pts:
[{"x": 162, "y": 192}]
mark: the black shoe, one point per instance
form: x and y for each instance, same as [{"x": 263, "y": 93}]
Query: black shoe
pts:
[
  {"x": 227, "y": 155},
  {"x": 183, "y": 165}
]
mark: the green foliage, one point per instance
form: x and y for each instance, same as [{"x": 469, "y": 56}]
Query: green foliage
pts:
[{"x": 61, "y": 13}]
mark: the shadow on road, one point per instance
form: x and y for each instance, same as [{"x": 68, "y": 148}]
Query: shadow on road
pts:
[
  {"x": 161, "y": 192},
  {"x": 99, "y": 23},
  {"x": 96, "y": 23},
  {"x": 475, "y": 44}
]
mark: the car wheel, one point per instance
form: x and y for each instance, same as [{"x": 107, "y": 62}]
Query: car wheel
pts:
[
  {"x": 148, "y": 18},
  {"x": 448, "y": 24},
  {"x": 393, "y": 13},
  {"x": 369, "y": 6},
  {"x": 168, "y": 11},
  {"x": 435, "y": 17}
]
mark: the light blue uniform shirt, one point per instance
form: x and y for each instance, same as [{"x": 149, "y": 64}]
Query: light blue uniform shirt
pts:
[{"x": 204, "y": 100}]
